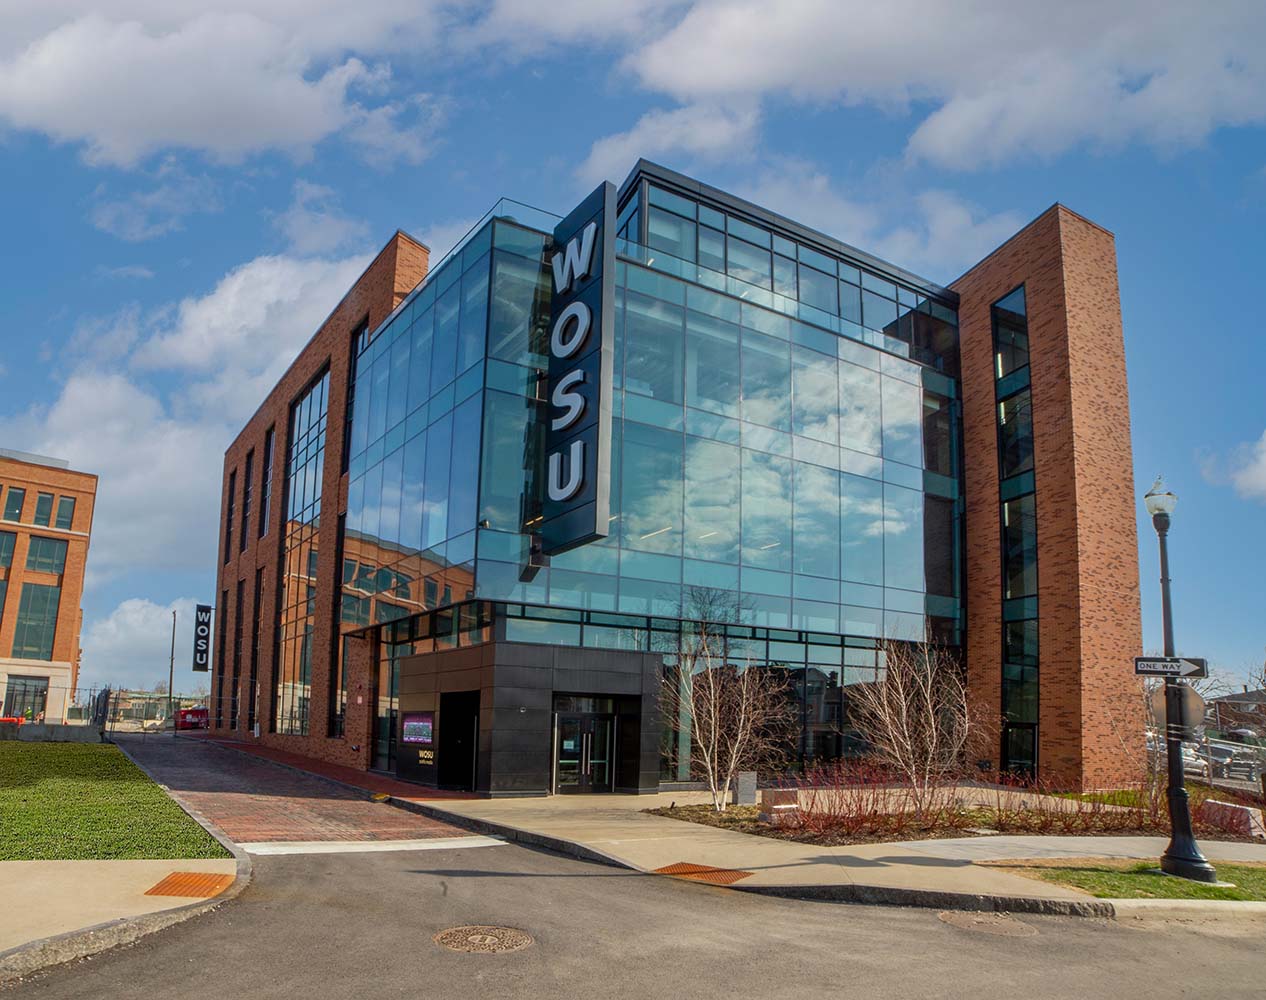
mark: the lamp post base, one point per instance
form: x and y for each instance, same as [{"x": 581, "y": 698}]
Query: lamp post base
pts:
[{"x": 1197, "y": 869}]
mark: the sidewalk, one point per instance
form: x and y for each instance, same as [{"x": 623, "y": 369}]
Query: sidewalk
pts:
[
  {"x": 65, "y": 896},
  {"x": 617, "y": 829}
]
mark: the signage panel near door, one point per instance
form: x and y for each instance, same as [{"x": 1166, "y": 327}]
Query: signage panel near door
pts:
[{"x": 577, "y": 502}]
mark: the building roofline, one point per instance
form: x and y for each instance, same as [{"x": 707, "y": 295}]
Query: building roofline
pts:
[
  {"x": 789, "y": 227},
  {"x": 321, "y": 326},
  {"x": 1055, "y": 207},
  {"x": 43, "y": 462}
]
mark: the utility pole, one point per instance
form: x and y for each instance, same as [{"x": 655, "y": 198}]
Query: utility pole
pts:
[{"x": 171, "y": 674}]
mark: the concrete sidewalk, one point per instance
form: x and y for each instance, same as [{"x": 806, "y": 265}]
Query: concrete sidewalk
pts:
[
  {"x": 926, "y": 872},
  {"x": 48, "y": 898}
]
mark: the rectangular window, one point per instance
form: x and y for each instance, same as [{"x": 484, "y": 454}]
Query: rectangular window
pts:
[
  {"x": 13, "y": 501},
  {"x": 304, "y": 470},
  {"x": 65, "y": 513},
  {"x": 43, "y": 509},
  {"x": 818, "y": 289},
  {"x": 36, "y": 622},
  {"x": 46, "y": 555},
  {"x": 266, "y": 485},
  {"x": 230, "y": 513},
  {"x": 670, "y": 233},
  {"x": 1015, "y": 435},
  {"x": 219, "y": 658},
  {"x": 238, "y": 627},
  {"x": 7, "y": 540},
  {"x": 4, "y": 590},
  {"x": 1019, "y": 542},
  {"x": 1010, "y": 333},
  {"x": 256, "y": 606},
  {"x": 749, "y": 263},
  {"x": 25, "y": 698},
  {"x": 246, "y": 500}
]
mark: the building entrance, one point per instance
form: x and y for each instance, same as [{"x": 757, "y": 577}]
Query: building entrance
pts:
[{"x": 584, "y": 744}]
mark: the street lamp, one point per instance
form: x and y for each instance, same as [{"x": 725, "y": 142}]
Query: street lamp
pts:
[{"x": 1182, "y": 857}]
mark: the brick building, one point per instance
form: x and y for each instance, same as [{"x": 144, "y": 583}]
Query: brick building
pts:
[
  {"x": 461, "y": 536},
  {"x": 45, "y": 526}
]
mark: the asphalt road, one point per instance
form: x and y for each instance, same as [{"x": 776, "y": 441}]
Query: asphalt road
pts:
[{"x": 360, "y": 925}]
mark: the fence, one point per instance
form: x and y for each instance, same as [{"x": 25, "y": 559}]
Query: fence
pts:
[{"x": 34, "y": 700}]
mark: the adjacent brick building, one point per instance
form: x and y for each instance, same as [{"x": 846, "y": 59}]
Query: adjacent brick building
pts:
[
  {"x": 837, "y": 451},
  {"x": 45, "y": 527}
]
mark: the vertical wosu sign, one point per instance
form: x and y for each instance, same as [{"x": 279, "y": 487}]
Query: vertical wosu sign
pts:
[
  {"x": 577, "y": 502},
  {"x": 202, "y": 637}
]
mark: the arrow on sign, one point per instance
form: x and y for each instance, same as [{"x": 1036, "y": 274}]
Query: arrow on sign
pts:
[{"x": 1171, "y": 666}]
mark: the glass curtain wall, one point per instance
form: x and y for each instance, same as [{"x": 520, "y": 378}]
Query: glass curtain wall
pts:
[
  {"x": 1019, "y": 534},
  {"x": 305, "y": 464},
  {"x": 409, "y": 534}
]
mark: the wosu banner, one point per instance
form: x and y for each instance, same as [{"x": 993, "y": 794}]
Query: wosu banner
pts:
[
  {"x": 578, "y": 435},
  {"x": 202, "y": 637}
]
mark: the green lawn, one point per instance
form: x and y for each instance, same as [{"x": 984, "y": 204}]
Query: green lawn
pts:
[
  {"x": 77, "y": 801},
  {"x": 1139, "y": 880}
]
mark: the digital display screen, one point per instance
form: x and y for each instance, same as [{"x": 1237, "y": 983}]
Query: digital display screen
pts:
[{"x": 419, "y": 727}]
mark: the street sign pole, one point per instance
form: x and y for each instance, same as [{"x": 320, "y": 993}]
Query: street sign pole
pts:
[{"x": 1182, "y": 857}]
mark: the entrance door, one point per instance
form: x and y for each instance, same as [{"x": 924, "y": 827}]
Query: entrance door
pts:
[{"x": 584, "y": 751}]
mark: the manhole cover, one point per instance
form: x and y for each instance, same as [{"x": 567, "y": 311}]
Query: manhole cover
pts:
[
  {"x": 1000, "y": 924},
  {"x": 482, "y": 938}
]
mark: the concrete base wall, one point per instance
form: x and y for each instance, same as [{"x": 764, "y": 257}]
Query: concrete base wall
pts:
[{"x": 50, "y": 733}]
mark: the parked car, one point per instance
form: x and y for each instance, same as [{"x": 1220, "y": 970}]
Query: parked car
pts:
[
  {"x": 1225, "y": 762},
  {"x": 1193, "y": 764}
]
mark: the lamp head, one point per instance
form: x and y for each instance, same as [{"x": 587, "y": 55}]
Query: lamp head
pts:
[{"x": 1159, "y": 500}]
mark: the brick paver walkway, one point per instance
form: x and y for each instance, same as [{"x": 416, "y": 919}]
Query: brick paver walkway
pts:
[{"x": 253, "y": 800}]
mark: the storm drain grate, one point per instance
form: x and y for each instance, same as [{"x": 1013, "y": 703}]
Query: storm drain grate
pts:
[
  {"x": 202, "y": 885},
  {"x": 483, "y": 939},
  {"x": 704, "y": 873}
]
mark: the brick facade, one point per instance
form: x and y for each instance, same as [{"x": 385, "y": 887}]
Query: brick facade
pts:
[
  {"x": 35, "y": 477},
  {"x": 399, "y": 266},
  {"x": 1090, "y": 729}
]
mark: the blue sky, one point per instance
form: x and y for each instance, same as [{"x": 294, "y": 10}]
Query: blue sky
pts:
[{"x": 188, "y": 188}]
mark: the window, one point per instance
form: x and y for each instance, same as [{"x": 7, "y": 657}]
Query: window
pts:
[
  {"x": 1019, "y": 542},
  {"x": 65, "y": 513},
  {"x": 25, "y": 698},
  {"x": 7, "y": 541},
  {"x": 36, "y": 622},
  {"x": 1011, "y": 333},
  {"x": 818, "y": 289},
  {"x": 46, "y": 555},
  {"x": 266, "y": 484},
  {"x": 238, "y": 628},
  {"x": 749, "y": 263},
  {"x": 670, "y": 233},
  {"x": 256, "y": 607},
  {"x": 229, "y": 514},
  {"x": 1015, "y": 434},
  {"x": 13, "y": 501},
  {"x": 304, "y": 470},
  {"x": 43, "y": 509},
  {"x": 938, "y": 434},
  {"x": 246, "y": 500}
]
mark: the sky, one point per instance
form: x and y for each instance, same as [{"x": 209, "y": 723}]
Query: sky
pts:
[{"x": 189, "y": 188}]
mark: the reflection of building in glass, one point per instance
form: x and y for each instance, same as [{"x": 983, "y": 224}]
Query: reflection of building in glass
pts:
[{"x": 788, "y": 427}]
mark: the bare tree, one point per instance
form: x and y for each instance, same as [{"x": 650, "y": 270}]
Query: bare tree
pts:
[
  {"x": 738, "y": 716},
  {"x": 916, "y": 717}
]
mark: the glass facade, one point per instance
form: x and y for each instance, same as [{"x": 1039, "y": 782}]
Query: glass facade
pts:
[
  {"x": 305, "y": 464},
  {"x": 46, "y": 555},
  {"x": 1019, "y": 534},
  {"x": 785, "y": 435}
]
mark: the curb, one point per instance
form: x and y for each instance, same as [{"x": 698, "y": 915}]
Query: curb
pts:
[
  {"x": 1190, "y": 909},
  {"x": 937, "y": 900},
  {"x": 44, "y": 953}
]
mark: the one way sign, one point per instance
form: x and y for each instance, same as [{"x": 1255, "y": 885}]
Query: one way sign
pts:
[{"x": 1171, "y": 666}]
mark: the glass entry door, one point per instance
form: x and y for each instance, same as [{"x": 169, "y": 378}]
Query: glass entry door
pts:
[{"x": 584, "y": 746}]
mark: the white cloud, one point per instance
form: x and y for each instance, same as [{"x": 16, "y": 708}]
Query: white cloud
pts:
[
  {"x": 441, "y": 237},
  {"x": 144, "y": 215},
  {"x": 1248, "y": 470},
  {"x": 400, "y": 132},
  {"x": 1038, "y": 79},
  {"x": 230, "y": 81},
  {"x": 131, "y": 646},
  {"x": 706, "y": 131},
  {"x": 947, "y": 236},
  {"x": 313, "y": 223}
]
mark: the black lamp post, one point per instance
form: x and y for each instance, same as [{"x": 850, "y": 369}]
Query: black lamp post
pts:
[{"x": 1182, "y": 857}]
